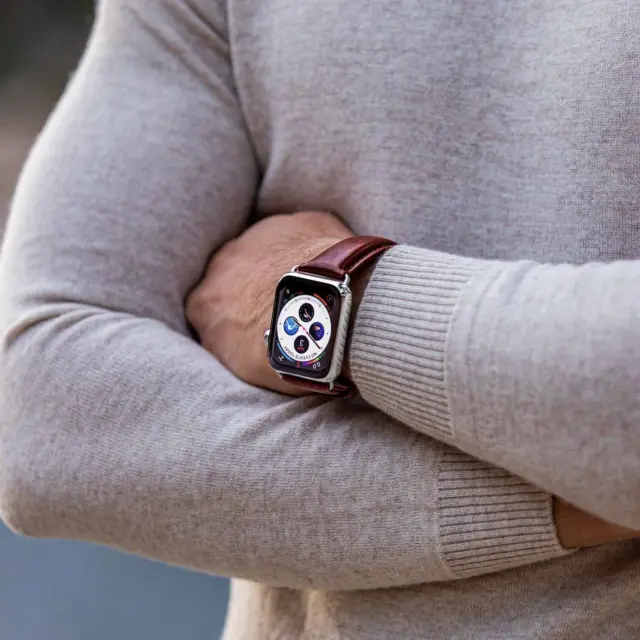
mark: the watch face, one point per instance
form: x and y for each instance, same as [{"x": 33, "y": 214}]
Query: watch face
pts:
[{"x": 303, "y": 328}]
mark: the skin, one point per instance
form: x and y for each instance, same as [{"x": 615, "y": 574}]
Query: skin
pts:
[{"x": 231, "y": 308}]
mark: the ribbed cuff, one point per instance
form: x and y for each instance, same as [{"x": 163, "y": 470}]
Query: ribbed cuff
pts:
[
  {"x": 397, "y": 352},
  {"x": 490, "y": 520}
]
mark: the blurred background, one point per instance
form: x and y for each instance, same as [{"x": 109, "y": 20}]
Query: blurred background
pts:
[{"x": 52, "y": 590}]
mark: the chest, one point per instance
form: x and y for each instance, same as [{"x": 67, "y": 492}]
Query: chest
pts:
[{"x": 495, "y": 129}]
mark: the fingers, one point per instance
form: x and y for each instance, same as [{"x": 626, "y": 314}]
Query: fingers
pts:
[{"x": 577, "y": 528}]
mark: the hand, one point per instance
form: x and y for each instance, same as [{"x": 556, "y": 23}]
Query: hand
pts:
[
  {"x": 231, "y": 308},
  {"x": 577, "y": 528}
]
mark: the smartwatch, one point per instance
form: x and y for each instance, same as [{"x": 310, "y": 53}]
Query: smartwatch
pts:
[{"x": 311, "y": 309}]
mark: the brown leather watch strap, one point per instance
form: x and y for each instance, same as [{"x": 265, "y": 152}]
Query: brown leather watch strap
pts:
[
  {"x": 343, "y": 258},
  {"x": 341, "y": 388},
  {"x": 346, "y": 257}
]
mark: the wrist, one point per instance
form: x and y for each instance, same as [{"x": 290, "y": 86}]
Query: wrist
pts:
[
  {"x": 358, "y": 285},
  {"x": 311, "y": 315}
]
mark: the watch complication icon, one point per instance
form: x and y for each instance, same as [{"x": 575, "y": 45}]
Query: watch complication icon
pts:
[
  {"x": 301, "y": 344},
  {"x": 317, "y": 331},
  {"x": 290, "y": 326},
  {"x": 306, "y": 312}
]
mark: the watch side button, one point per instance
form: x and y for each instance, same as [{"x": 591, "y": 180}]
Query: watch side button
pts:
[{"x": 267, "y": 335}]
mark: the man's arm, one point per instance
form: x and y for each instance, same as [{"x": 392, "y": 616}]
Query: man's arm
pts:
[
  {"x": 244, "y": 274},
  {"x": 119, "y": 429},
  {"x": 535, "y": 368}
]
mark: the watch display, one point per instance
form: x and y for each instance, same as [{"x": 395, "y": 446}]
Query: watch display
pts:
[{"x": 304, "y": 326}]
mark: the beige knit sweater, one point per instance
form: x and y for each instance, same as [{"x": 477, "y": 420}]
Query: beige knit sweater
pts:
[{"x": 499, "y": 144}]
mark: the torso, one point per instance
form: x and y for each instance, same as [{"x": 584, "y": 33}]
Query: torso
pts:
[{"x": 491, "y": 129}]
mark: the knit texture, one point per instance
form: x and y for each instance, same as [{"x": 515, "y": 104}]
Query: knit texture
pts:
[
  {"x": 422, "y": 295},
  {"x": 496, "y": 349},
  {"x": 490, "y": 520}
]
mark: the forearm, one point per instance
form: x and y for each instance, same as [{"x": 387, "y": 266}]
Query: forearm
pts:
[
  {"x": 124, "y": 433},
  {"x": 530, "y": 367}
]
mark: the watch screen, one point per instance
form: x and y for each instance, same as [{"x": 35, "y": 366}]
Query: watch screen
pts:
[{"x": 303, "y": 327}]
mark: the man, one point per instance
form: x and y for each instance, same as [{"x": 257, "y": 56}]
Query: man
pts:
[{"x": 475, "y": 135}]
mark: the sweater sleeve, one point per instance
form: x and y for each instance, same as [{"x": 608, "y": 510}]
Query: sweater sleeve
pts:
[
  {"x": 532, "y": 367},
  {"x": 119, "y": 429}
]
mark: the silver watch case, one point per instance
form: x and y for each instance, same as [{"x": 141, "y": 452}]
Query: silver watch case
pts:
[{"x": 341, "y": 330}]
